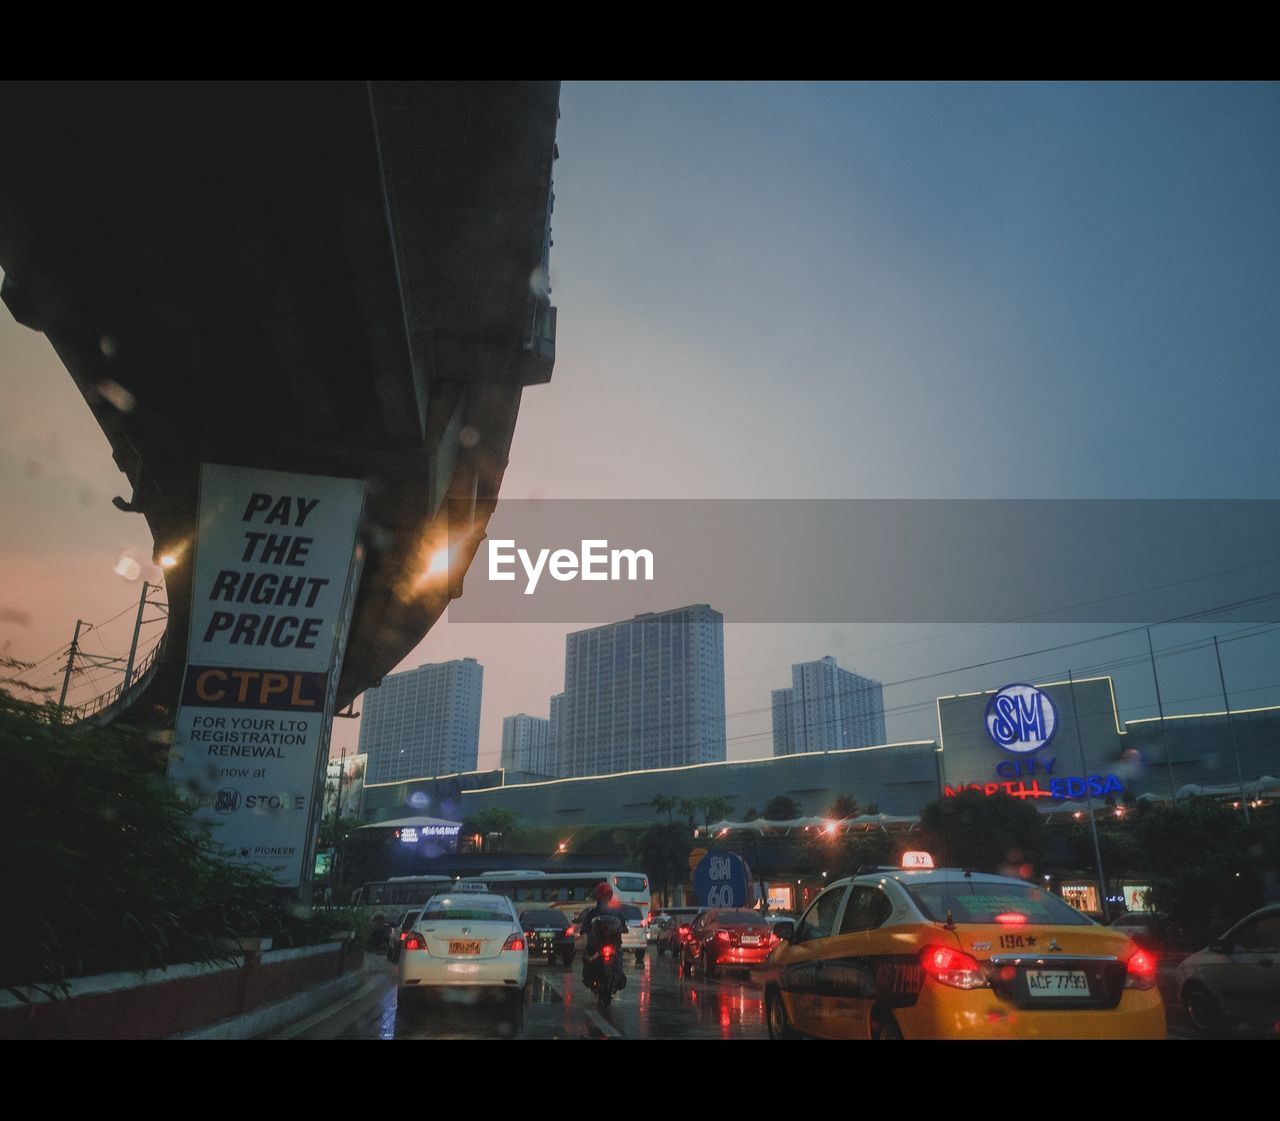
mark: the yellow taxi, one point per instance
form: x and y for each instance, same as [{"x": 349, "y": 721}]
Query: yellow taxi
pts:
[{"x": 936, "y": 953}]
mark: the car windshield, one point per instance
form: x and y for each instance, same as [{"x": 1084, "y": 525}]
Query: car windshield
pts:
[
  {"x": 543, "y": 918},
  {"x": 975, "y": 901},
  {"x": 460, "y": 908}
]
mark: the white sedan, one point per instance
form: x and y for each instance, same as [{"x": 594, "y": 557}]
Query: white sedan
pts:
[
  {"x": 1235, "y": 981},
  {"x": 463, "y": 943}
]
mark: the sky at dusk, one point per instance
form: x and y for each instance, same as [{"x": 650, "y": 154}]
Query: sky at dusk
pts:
[{"x": 825, "y": 291}]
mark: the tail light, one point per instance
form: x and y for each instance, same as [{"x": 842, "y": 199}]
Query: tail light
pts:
[
  {"x": 953, "y": 968},
  {"x": 1142, "y": 971},
  {"x": 568, "y": 931},
  {"x": 773, "y": 939},
  {"x": 1011, "y": 918},
  {"x": 515, "y": 942},
  {"x": 414, "y": 941},
  {"x": 607, "y": 953},
  {"x": 404, "y": 934},
  {"x": 722, "y": 936},
  {"x": 684, "y": 933}
]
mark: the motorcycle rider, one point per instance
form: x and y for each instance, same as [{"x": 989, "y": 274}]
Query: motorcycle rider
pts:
[{"x": 605, "y": 906}]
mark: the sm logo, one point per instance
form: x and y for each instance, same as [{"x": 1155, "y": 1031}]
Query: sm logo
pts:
[{"x": 1021, "y": 718}]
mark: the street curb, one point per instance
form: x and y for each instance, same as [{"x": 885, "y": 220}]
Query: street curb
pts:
[{"x": 263, "y": 1021}]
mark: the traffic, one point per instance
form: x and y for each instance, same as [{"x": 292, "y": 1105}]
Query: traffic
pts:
[{"x": 908, "y": 952}]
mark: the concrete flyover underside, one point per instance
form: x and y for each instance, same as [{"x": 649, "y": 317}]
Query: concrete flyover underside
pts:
[{"x": 343, "y": 278}]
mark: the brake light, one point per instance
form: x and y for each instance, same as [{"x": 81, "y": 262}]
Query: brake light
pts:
[
  {"x": 1010, "y": 917},
  {"x": 684, "y": 932},
  {"x": 1142, "y": 971},
  {"x": 414, "y": 941},
  {"x": 607, "y": 953},
  {"x": 514, "y": 942},
  {"x": 722, "y": 935},
  {"x": 403, "y": 935},
  {"x": 568, "y": 931},
  {"x": 953, "y": 968}
]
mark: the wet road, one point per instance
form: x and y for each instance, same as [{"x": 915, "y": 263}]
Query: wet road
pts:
[{"x": 656, "y": 1004}]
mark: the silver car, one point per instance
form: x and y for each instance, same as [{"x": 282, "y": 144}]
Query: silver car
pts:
[{"x": 1234, "y": 983}]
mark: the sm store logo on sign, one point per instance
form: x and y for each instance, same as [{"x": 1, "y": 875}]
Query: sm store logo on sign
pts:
[{"x": 1021, "y": 718}]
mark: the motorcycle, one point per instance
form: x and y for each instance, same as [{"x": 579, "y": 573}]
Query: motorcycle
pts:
[{"x": 602, "y": 964}]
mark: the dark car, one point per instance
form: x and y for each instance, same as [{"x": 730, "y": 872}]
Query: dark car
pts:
[
  {"x": 1150, "y": 930},
  {"x": 549, "y": 934},
  {"x": 676, "y": 929},
  {"x": 399, "y": 932},
  {"x": 729, "y": 938}
]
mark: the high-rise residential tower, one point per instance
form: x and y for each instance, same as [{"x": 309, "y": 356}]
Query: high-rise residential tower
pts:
[
  {"x": 423, "y": 722},
  {"x": 827, "y": 708},
  {"x": 644, "y": 693},
  {"x": 524, "y": 744}
]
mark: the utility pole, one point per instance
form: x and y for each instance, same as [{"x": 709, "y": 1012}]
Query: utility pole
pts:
[
  {"x": 1164, "y": 739},
  {"x": 133, "y": 646},
  {"x": 1231, "y": 725},
  {"x": 71, "y": 661},
  {"x": 337, "y": 818},
  {"x": 1093, "y": 825}
]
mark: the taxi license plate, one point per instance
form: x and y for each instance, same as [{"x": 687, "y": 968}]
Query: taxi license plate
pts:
[
  {"x": 751, "y": 940},
  {"x": 464, "y": 947},
  {"x": 1057, "y": 982}
]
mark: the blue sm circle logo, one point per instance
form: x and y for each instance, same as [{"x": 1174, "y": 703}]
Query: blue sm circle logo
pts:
[{"x": 1021, "y": 718}]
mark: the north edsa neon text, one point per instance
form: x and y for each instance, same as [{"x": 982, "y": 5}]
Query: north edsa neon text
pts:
[{"x": 1062, "y": 788}]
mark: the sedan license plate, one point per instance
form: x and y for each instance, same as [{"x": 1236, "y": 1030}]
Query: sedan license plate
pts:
[
  {"x": 751, "y": 940},
  {"x": 462, "y": 948},
  {"x": 1057, "y": 983}
]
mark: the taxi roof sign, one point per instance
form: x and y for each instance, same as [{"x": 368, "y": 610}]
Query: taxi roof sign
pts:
[
  {"x": 917, "y": 860},
  {"x": 469, "y": 886}
]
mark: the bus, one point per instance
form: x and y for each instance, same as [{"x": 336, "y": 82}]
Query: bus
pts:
[
  {"x": 570, "y": 892},
  {"x": 399, "y": 893}
]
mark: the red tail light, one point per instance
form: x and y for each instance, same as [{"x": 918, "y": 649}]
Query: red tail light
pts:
[
  {"x": 414, "y": 941},
  {"x": 607, "y": 953},
  {"x": 568, "y": 931},
  {"x": 515, "y": 942},
  {"x": 1142, "y": 971},
  {"x": 722, "y": 935},
  {"x": 683, "y": 933},
  {"x": 1010, "y": 918},
  {"x": 953, "y": 968},
  {"x": 403, "y": 935}
]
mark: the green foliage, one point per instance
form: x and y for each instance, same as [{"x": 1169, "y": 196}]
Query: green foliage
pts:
[
  {"x": 664, "y": 804},
  {"x": 996, "y": 834},
  {"x": 781, "y": 808},
  {"x": 496, "y": 820},
  {"x": 845, "y": 805},
  {"x": 663, "y": 852},
  {"x": 1206, "y": 867},
  {"x": 345, "y": 826},
  {"x": 104, "y": 869},
  {"x": 714, "y": 808}
]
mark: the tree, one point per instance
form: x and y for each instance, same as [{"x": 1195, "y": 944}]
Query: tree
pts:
[
  {"x": 985, "y": 834},
  {"x": 844, "y": 806},
  {"x": 664, "y": 804},
  {"x": 496, "y": 820},
  {"x": 714, "y": 808},
  {"x": 663, "y": 852},
  {"x": 781, "y": 808},
  {"x": 105, "y": 869},
  {"x": 688, "y": 808},
  {"x": 751, "y": 814}
]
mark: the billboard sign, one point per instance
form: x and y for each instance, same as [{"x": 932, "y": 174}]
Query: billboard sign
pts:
[{"x": 276, "y": 564}]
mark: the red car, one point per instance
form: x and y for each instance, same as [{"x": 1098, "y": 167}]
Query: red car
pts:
[{"x": 727, "y": 939}]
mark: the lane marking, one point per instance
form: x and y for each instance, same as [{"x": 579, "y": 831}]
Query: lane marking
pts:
[{"x": 602, "y": 1025}]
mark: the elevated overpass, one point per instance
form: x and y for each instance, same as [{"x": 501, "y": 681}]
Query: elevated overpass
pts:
[{"x": 346, "y": 279}]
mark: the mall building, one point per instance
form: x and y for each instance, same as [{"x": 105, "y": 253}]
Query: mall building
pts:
[{"x": 1057, "y": 744}]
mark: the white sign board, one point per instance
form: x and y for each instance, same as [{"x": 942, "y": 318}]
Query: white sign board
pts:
[{"x": 275, "y": 573}]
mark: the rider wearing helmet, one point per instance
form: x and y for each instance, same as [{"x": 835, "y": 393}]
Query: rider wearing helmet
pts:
[{"x": 605, "y": 905}]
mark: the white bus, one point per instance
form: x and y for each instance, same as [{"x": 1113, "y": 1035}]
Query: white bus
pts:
[{"x": 570, "y": 892}]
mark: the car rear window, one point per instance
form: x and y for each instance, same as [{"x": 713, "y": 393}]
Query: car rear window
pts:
[
  {"x": 741, "y": 918},
  {"x": 630, "y": 883},
  {"x": 631, "y": 914},
  {"x": 543, "y": 918},
  {"x": 475, "y": 908},
  {"x": 972, "y": 901}
]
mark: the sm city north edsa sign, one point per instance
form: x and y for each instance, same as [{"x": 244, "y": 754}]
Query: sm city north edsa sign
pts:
[{"x": 1022, "y": 720}]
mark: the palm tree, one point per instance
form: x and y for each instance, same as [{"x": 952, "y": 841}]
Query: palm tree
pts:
[{"x": 664, "y": 803}]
